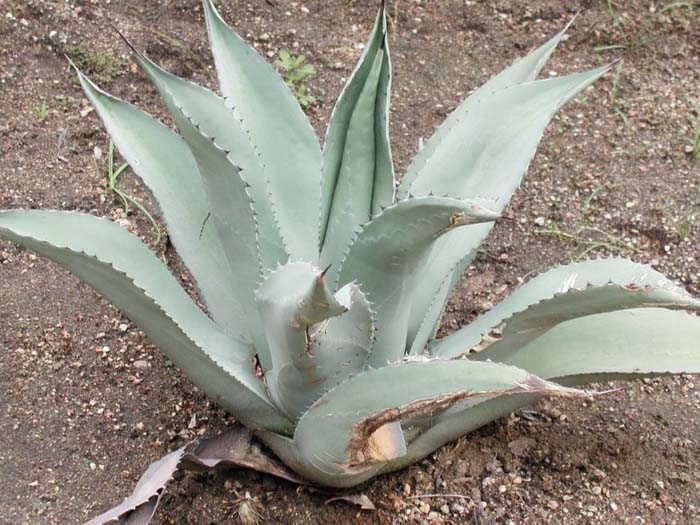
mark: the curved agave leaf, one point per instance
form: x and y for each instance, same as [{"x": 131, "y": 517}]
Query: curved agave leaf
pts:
[
  {"x": 334, "y": 438},
  {"x": 421, "y": 331},
  {"x": 197, "y": 114},
  {"x": 163, "y": 162},
  {"x": 463, "y": 418},
  {"x": 522, "y": 70},
  {"x": 483, "y": 151},
  {"x": 358, "y": 173},
  {"x": 446, "y": 263},
  {"x": 122, "y": 268},
  {"x": 626, "y": 344},
  {"x": 292, "y": 301},
  {"x": 208, "y": 113},
  {"x": 558, "y": 295},
  {"x": 390, "y": 250},
  {"x": 278, "y": 129},
  {"x": 335, "y": 350}
]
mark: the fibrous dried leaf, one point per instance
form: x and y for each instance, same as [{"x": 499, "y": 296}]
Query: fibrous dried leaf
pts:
[{"x": 234, "y": 448}]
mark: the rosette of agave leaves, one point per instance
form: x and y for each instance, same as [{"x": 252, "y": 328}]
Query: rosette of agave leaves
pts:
[{"x": 324, "y": 280}]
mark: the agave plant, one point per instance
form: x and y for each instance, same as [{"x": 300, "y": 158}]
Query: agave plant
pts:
[{"x": 324, "y": 281}]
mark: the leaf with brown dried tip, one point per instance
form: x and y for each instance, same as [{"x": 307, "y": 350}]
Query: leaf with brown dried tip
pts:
[
  {"x": 331, "y": 437},
  {"x": 558, "y": 295},
  {"x": 390, "y": 250}
]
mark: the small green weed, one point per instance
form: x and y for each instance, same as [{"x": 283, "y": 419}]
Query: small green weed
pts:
[
  {"x": 42, "y": 111},
  {"x": 294, "y": 72},
  {"x": 685, "y": 227},
  {"x": 102, "y": 66},
  {"x": 614, "y": 95},
  {"x": 591, "y": 206},
  {"x": 585, "y": 236},
  {"x": 588, "y": 238},
  {"x": 112, "y": 178},
  {"x": 695, "y": 154}
]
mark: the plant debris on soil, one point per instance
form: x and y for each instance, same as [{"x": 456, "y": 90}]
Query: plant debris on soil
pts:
[{"x": 87, "y": 403}]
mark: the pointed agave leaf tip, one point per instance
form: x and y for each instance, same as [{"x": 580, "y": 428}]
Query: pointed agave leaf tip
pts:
[
  {"x": 325, "y": 271},
  {"x": 382, "y": 11},
  {"x": 616, "y": 61},
  {"x": 570, "y": 22},
  {"x": 125, "y": 39},
  {"x": 73, "y": 65}
]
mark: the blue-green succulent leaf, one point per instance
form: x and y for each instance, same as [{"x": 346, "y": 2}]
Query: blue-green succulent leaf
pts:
[
  {"x": 338, "y": 436},
  {"x": 483, "y": 153},
  {"x": 294, "y": 301},
  {"x": 165, "y": 165},
  {"x": 390, "y": 251},
  {"x": 558, "y": 295},
  {"x": 211, "y": 115},
  {"x": 523, "y": 70},
  {"x": 122, "y": 268},
  {"x": 198, "y": 114},
  {"x": 420, "y": 331},
  {"x": 281, "y": 134},
  {"x": 334, "y": 350},
  {"x": 625, "y": 344},
  {"x": 358, "y": 173}
]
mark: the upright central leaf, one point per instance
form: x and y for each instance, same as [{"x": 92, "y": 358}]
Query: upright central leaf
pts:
[
  {"x": 316, "y": 339},
  {"x": 358, "y": 173},
  {"x": 284, "y": 140}
]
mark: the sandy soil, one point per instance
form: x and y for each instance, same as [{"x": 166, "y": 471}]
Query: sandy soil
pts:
[{"x": 87, "y": 402}]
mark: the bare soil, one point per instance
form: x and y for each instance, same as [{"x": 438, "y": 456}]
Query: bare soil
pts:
[{"x": 86, "y": 403}]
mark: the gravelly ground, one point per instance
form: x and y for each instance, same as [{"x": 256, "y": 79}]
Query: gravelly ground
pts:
[{"x": 87, "y": 403}]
